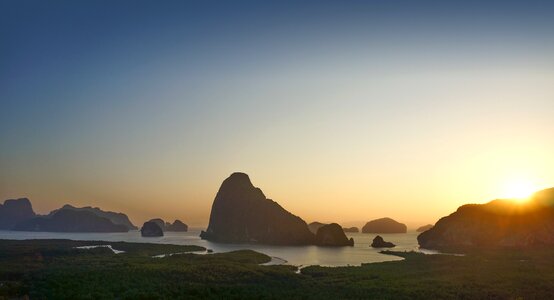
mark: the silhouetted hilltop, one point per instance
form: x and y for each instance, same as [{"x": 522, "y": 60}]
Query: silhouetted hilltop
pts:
[
  {"x": 242, "y": 213},
  {"x": 384, "y": 225},
  {"x": 151, "y": 229},
  {"x": 424, "y": 228},
  {"x": 499, "y": 223},
  {"x": 314, "y": 226},
  {"x": 115, "y": 217},
  {"x": 351, "y": 229},
  {"x": 166, "y": 226},
  {"x": 14, "y": 211},
  {"x": 67, "y": 220},
  {"x": 332, "y": 235}
]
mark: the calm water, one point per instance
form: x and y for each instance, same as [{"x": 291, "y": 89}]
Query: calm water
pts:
[{"x": 297, "y": 255}]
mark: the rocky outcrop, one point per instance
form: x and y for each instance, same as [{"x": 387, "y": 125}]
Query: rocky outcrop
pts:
[
  {"x": 114, "y": 217},
  {"x": 66, "y": 220},
  {"x": 499, "y": 223},
  {"x": 151, "y": 229},
  {"x": 424, "y": 228},
  {"x": 351, "y": 229},
  {"x": 332, "y": 235},
  {"x": 314, "y": 226},
  {"x": 166, "y": 226},
  {"x": 177, "y": 226},
  {"x": 14, "y": 211},
  {"x": 384, "y": 225},
  {"x": 379, "y": 242},
  {"x": 242, "y": 214}
]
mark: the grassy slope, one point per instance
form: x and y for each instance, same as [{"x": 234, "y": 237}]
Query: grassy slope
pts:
[{"x": 55, "y": 270}]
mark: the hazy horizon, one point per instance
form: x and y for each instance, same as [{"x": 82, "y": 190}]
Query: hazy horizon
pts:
[{"x": 339, "y": 111}]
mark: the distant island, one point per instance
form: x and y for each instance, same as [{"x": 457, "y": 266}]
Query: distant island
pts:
[
  {"x": 384, "y": 225},
  {"x": 177, "y": 225},
  {"x": 241, "y": 213},
  {"x": 499, "y": 223},
  {"x": 424, "y": 228},
  {"x": 18, "y": 215},
  {"x": 351, "y": 229}
]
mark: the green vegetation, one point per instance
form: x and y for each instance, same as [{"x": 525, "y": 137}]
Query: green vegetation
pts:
[{"x": 54, "y": 269}]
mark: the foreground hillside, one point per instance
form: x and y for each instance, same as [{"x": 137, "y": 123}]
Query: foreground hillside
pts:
[{"x": 54, "y": 269}]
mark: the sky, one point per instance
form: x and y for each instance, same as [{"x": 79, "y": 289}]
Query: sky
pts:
[{"x": 341, "y": 111}]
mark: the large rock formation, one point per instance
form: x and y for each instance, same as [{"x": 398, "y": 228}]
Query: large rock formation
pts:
[
  {"x": 314, "y": 226},
  {"x": 499, "y": 223},
  {"x": 115, "y": 217},
  {"x": 166, "y": 226},
  {"x": 351, "y": 229},
  {"x": 424, "y": 228},
  {"x": 384, "y": 225},
  {"x": 66, "y": 220},
  {"x": 332, "y": 235},
  {"x": 242, "y": 214},
  {"x": 151, "y": 229},
  {"x": 14, "y": 211},
  {"x": 379, "y": 242}
]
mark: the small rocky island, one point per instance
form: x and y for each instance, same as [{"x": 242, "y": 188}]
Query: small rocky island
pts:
[
  {"x": 151, "y": 229},
  {"x": 424, "y": 228},
  {"x": 332, "y": 235},
  {"x": 351, "y": 229},
  {"x": 499, "y": 223},
  {"x": 384, "y": 225},
  {"x": 177, "y": 225},
  {"x": 379, "y": 242},
  {"x": 242, "y": 214}
]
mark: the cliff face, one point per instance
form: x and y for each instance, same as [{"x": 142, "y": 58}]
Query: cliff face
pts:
[
  {"x": 14, "y": 211},
  {"x": 241, "y": 213},
  {"x": 384, "y": 225},
  {"x": 499, "y": 223},
  {"x": 70, "y": 221}
]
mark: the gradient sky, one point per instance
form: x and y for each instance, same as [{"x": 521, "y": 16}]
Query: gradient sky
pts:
[{"x": 340, "y": 111}]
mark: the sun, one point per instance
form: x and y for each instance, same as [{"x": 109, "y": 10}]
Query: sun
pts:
[{"x": 519, "y": 189}]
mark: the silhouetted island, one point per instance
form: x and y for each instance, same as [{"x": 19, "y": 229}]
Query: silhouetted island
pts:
[
  {"x": 14, "y": 211},
  {"x": 332, "y": 235},
  {"x": 379, "y": 242},
  {"x": 384, "y": 225},
  {"x": 242, "y": 214},
  {"x": 177, "y": 225},
  {"x": 351, "y": 229},
  {"x": 499, "y": 223},
  {"x": 151, "y": 229},
  {"x": 66, "y": 220},
  {"x": 114, "y": 217},
  {"x": 314, "y": 226},
  {"x": 424, "y": 228}
]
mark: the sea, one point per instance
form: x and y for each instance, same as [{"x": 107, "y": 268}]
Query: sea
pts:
[{"x": 301, "y": 256}]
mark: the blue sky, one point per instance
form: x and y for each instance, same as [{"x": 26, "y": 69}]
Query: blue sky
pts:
[{"x": 114, "y": 103}]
